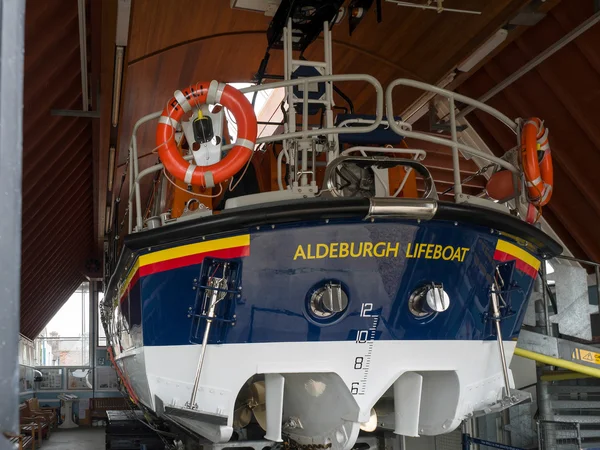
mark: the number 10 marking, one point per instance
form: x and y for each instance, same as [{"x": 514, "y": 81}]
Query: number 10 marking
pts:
[{"x": 362, "y": 336}]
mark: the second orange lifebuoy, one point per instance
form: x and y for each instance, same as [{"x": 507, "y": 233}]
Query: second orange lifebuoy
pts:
[
  {"x": 536, "y": 159},
  {"x": 183, "y": 102}
]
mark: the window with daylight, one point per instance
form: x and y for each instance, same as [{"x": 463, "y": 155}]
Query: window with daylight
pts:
[
  {"x": 266, "y": 108},
  {"x": 65, "y": 341}
]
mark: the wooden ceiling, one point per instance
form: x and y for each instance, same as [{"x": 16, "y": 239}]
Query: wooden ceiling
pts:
[
  {"x": 565, "y": 92},
  {"x": 57, "y": 220},
  {"x": 170, "y": 48}
]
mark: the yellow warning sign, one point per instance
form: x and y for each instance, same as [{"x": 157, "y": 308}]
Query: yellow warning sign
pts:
[{"x": 585, "y": 355}]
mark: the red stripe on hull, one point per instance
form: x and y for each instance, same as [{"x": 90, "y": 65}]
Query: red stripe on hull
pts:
[
  {"x": 134, "y": 280},
  {"x": 520, "y": 264},
  {"x": 176, "y": 263}
]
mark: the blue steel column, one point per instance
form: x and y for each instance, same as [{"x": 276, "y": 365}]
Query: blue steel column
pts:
[{"x": 12, "y": 23}]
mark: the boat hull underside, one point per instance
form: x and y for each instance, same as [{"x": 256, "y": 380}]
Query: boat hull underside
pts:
[{"x": 459, "y": 377}]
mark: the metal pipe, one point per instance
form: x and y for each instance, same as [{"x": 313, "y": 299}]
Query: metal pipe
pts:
[
  {"x": 290, "y": 91},
  {"x": 543, "y": 276},
  {"x": 434, "y": 8},
  {"x": 533, "y": 63},
  {"x": 448, "y": 143},
  {"x": 455, "y": 158},
  {"x": 405, "y": 208},
  {"x": 85, "y": 97},
  {"x": 133, "y": 156},
  {"x": 333, "y": 139},
  {"x": 597, "y": 274},
  {"x": 579, "y": 260},
  {"x": 313, "y": 180},
  {"x": 210, "y": 315},
  {"x": 311, "y": 101},
  {"x": 329, "y": 86},
  {"x": 138, "y": 196},
  {"x": 279, "y": 161},
  {"x": 129, "y": 197},
  {"x": 302, "y": 62},
  {"x": 562, "y": 363},
  {"x": 561, "y": 376},
  {"x": 305, "y": 107},
  {"x": 419, "y": 155},
  {"x": 496, "y": 312},
  {"x": 117, "y": 81}
]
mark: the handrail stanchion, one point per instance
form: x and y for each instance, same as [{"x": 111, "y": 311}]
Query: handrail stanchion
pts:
[
  {"x": 138, "y": 197},
  {"x": 455, "y": 158},
  {"x": 597, "y": 273},
  {"x": 544, "y": 275},
  {"x": 129, "y": 201}
]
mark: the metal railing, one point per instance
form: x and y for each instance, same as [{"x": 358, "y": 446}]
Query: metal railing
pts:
[
  {"x": 554, "y": 434},
  {"x": 399, "y": 127},
  {"x": 135, "y": 176},
  {"x": 405, "y": 129}
]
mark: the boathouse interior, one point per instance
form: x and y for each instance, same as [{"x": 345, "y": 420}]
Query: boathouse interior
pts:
[{"x": 77, "y": 75}]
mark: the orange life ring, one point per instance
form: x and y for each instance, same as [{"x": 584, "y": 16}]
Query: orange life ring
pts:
[
  {"x": 536, "y": 159},
  {"x": 183, "y": 101}
]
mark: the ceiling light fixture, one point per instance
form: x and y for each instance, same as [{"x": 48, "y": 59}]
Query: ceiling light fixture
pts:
[
  {"x": 439, "y": 8},
  {"x": 488, "y": 47},
  {"x": 111, "y": 167},
  {"x": 118, "y": 78}
]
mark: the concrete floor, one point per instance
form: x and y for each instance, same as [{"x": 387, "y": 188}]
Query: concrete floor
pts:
[{"x": 76, "y": 439}]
